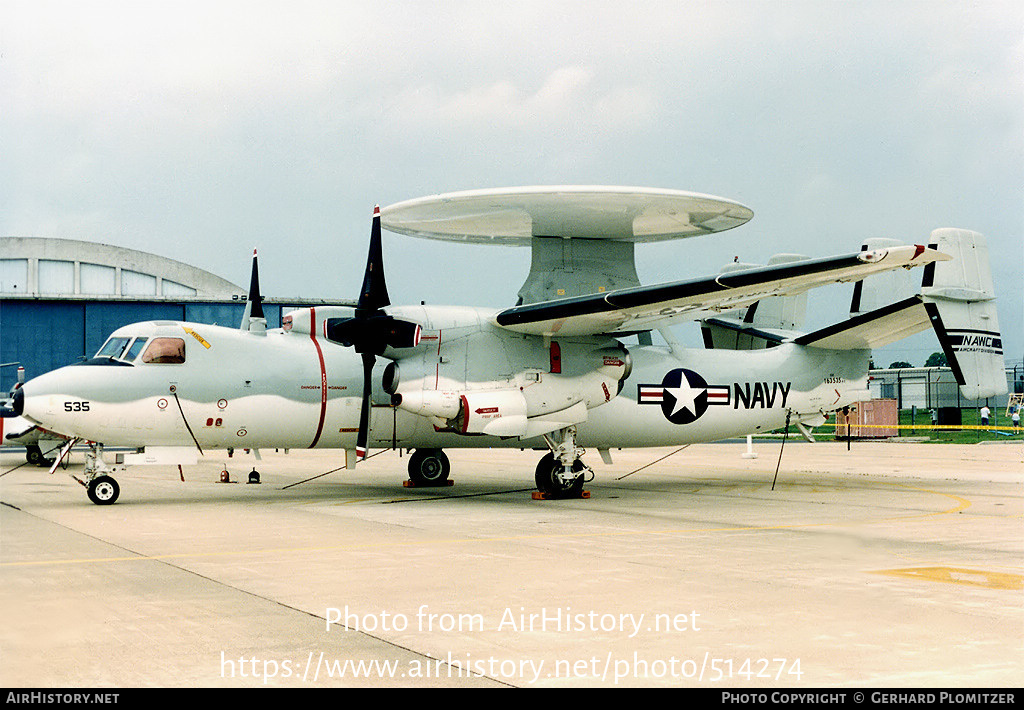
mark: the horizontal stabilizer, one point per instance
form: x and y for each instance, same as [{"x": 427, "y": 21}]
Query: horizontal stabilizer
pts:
[{"x": 875, "y": 329}]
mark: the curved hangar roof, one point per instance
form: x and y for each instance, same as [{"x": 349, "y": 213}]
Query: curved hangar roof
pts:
[
  {"x": 32, "y": 266},
  {"x": 517, "y": 215}
]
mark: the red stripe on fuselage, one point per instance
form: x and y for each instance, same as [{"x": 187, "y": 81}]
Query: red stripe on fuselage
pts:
[{"x": 323, "y": 377}]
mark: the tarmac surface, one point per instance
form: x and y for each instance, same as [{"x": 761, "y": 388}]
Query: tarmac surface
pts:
[{"x": 889, "y": 565}]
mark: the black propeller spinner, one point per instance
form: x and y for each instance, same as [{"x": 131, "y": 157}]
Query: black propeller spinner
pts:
[{"x": 371, "y": 331}]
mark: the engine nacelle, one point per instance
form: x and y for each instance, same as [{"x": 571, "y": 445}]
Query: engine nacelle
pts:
[
  {"x": 437, "y": 404},
  {"x": 531, "y": 402}
]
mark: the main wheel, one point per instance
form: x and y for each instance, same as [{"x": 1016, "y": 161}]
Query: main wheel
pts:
[
  {"x": 549, "y": 483},
  {"x": 103, "y": 490},
  {"x": 429, "y": 467},
  {"x": 34, "y": 455}
]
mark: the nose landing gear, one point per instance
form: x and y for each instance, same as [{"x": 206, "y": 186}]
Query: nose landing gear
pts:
[
  {"x": 100, "y": 486},
  {"x": 103, "y": 490}
]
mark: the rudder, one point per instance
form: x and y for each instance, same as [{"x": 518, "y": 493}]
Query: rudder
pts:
[{"x": 959, "y": 297}]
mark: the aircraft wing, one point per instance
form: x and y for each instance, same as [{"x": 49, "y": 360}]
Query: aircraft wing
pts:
[{"x": 636, "y": 309}]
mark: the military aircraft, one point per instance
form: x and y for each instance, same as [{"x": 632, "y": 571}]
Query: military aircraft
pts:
[{"x": 553, "y": 372}]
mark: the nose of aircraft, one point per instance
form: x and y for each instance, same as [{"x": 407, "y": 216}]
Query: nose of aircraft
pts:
[{"x": 34, "y": 399}]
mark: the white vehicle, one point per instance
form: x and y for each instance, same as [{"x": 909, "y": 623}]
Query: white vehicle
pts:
[{"x": 549, "y": 373}]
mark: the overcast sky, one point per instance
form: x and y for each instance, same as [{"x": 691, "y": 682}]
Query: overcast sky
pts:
[{"x": 199, "y": 131}]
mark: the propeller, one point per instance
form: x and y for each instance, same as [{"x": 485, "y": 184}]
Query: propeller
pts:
[
  {"x": 371, "y": 330},
  {"x": 253, "y": 319},
  {"x": 14, "y": 405}
]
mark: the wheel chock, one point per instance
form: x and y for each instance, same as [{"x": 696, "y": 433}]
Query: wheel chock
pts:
[
  {"x": 537, "y": 495},
  {"x": 412, "y": 484}
]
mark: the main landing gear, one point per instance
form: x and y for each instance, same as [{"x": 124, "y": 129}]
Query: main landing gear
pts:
[
  {"x": 562, "y": 473},
  {"x": 429, "y": 467},
  {"x": 34, "y": 455}
]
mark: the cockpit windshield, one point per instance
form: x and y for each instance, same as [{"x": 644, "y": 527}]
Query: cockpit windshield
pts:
[
  {"x": 114, "y": 347},
  {"x": 135, "y": 349},
  {"x": 125, "y": 349}
]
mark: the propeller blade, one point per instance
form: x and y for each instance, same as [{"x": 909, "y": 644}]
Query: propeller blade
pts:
[
  {"x": 253, "y": 320},
  {"x": 364, "y": 413},
  {"x": 254, "y": 291},
  {"x": 374, "y": 293}
]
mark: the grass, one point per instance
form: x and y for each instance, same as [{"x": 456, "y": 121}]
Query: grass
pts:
[{"x": 999, "y": 427}]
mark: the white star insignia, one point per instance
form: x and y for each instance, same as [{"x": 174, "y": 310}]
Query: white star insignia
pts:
[{"x": 684, "y": 395}]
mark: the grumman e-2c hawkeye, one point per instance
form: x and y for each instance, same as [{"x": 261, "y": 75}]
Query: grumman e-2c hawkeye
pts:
[{"x": 551, "y": 373}]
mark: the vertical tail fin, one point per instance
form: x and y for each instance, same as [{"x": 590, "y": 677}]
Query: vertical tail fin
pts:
[
  {"x": 762, "y": 324},
  {"x": 960, "y": 300}
]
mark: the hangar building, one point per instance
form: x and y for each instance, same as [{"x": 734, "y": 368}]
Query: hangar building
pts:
[{"x": 61, "y": 298}]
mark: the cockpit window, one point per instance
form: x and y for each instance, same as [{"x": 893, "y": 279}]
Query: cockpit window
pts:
[
  {"x": 164, "y": 351},
  {"x": 135, "y": 349},
  {"x": 114, "y": 347}
]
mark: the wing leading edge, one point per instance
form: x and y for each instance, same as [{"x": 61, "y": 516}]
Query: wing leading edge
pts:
[{"x": 646, "y": 307}]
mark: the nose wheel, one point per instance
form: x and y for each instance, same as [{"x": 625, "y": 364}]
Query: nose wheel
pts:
[{"x": 103, "y": 490}]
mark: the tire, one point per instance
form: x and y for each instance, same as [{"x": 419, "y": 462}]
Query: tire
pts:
[
  {"x": 550, "y": 485},
  {"x": 103, "y": 490},
  {"x": 429, "y": 467},
  {"x": 34, "y": 455}
]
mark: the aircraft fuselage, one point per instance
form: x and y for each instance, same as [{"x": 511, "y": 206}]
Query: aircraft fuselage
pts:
[{"x": 285, "y": 389}]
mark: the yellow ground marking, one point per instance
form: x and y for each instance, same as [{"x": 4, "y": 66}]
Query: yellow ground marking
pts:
[
  {"x": 962, "y": 503},
  {"x": 960, "y": 575}
]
